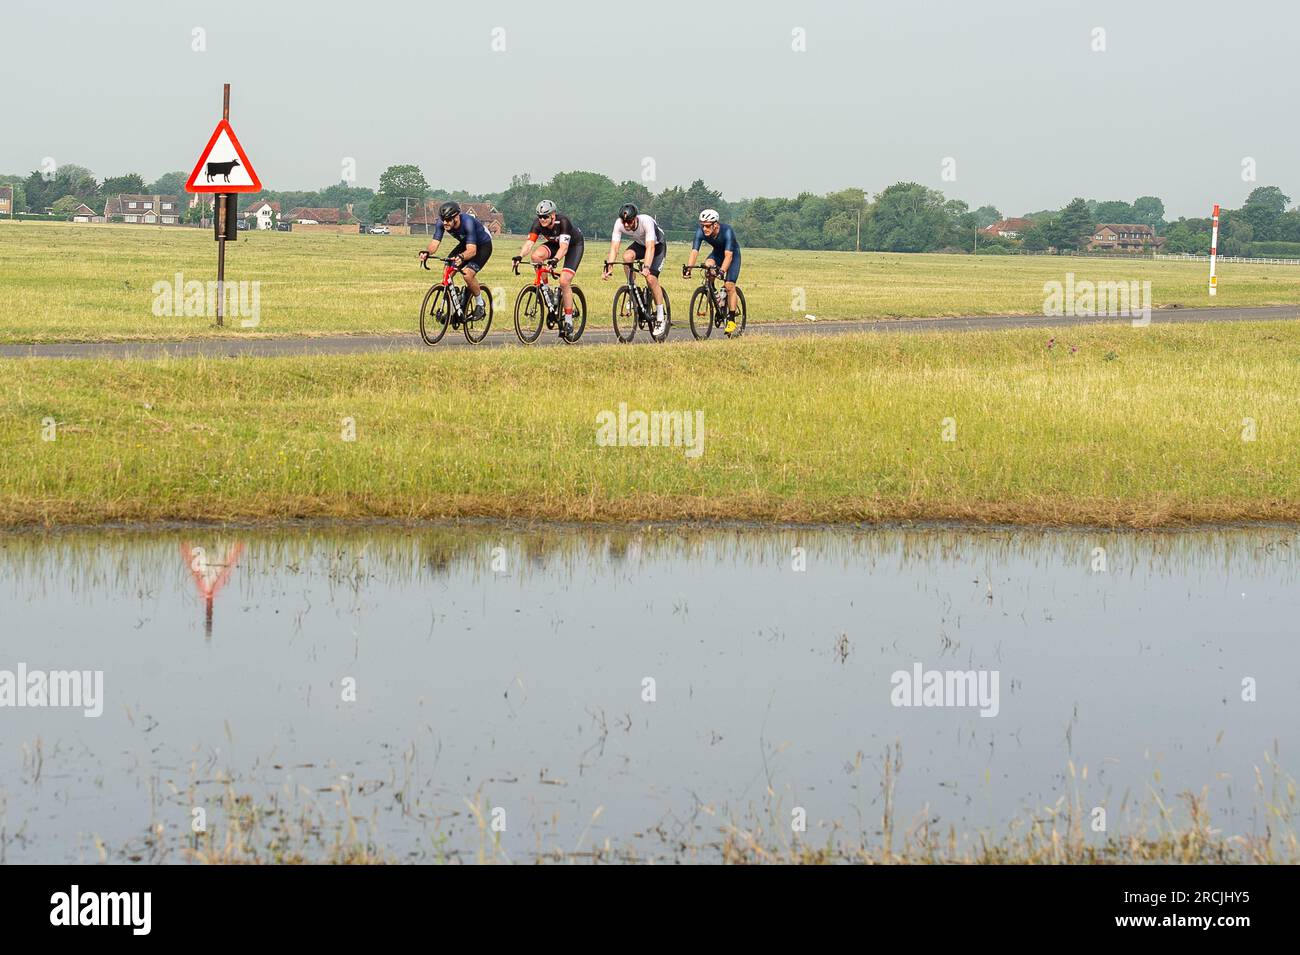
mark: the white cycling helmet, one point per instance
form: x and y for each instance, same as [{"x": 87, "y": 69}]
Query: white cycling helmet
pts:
[
  {"x": 708, "y": 215},
  {"x": 545, "y": 207}
]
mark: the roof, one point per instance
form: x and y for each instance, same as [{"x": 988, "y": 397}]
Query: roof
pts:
[
  {"x": 274, "y": 206},
  {"x": 1126, "y": 227},
  {"x": 84, "y": 210},
  {"x": 317, "y": 214},
  {"x": 1008, "y": 225},
  {"x": 7, "y": 192}
]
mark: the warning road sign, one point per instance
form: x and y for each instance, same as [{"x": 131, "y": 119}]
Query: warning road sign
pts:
[{"x": 223, "y": 166}]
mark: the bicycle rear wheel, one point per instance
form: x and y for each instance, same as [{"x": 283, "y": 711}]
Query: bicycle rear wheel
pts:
[
  {"x": 476, "y": 329},
  {"x": 701, "y": 314},
  {"x": 579, "y": 316},
  {"x": 530, "y": 314},
  {"x": 435, "y": 315},
  {"x": 625, "y": 314}
]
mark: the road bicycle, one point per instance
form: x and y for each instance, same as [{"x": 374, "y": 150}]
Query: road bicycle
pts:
[
  {"x": 447, "y": 304},
  {"x": 542, "y": 304},
  {"x": 709, "y": 304},
  {"x": 634, "y": 306}
]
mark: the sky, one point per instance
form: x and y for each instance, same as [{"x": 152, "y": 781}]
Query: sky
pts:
[{"x": 1002, "y": 102}]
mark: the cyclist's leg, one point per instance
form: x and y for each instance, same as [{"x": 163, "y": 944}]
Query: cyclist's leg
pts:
[
  {"x": 733, "y": 274},
  {"x": 473, "y": 267},
  {"x": 543, "y": 251},
  {"x": 652, "y": 270},
  {"x": 633, "y": 252},
  {"x": 572, "y": 258}
]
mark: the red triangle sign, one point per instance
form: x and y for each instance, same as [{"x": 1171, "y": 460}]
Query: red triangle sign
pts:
[{"x": 223, "y": 167}]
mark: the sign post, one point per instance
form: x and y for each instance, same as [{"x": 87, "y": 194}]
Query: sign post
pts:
[
  {"x": 1214, "y": 252},
  {"x": 225, "y": 171}
]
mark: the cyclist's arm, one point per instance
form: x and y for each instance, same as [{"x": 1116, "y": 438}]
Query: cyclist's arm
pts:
[
  {"x": 690, "y": 259},
  {"x": 528, "y": 245},
  {"x": 695, "y": 248},
  {"x": 433, "y": 246},
  {"x": 726, "y": 262},
  {"x": 616, "y": 238},
  {"x": 471, "y": 250}
]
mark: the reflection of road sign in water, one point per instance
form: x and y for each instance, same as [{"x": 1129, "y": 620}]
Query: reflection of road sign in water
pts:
[
  {"x": 210, "y": 573},
  {"x": 223, "y": 165}
]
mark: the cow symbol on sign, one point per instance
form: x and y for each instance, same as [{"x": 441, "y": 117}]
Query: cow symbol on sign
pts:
[{"x": 221, "y": 169}]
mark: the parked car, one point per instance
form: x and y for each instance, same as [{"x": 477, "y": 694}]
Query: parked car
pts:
[{"x": 379, "y": 230}]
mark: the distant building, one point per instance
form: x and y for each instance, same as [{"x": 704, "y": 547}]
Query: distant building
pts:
[
  {"x": 1125, "y": 237},
  {"x": 143, "y": 210},
  {"x": 263, "y": 214},
  {"x": 306, "y": 215},
  {"x": 1008, "y": 228},
  {"x": 83, "y": 213},
  {"x": 6, "y": 200},
  {"x": 424, "y": 219}
]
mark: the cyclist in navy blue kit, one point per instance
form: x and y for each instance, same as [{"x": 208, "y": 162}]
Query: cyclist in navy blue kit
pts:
[
  {"x": 473, "y": 249},
  {"x": 725, "y": 257}
]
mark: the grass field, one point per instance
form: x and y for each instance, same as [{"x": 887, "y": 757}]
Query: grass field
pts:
[
  {"x": 1109, "y": 426},
  {"x": 64, "y": 282}
]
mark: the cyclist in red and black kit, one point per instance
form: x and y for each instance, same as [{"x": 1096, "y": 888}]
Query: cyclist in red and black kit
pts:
[{"x": 563, "y": 240}]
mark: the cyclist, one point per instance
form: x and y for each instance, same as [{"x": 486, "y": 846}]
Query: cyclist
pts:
[
  {"x": 725, "y": 257},
  {"x": 648, "y": 244},
  {"x": 472, "y": 251},
  {"x": 563, "y": 241}
]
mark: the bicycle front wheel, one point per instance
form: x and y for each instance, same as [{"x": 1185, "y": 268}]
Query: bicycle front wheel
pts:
[
  {"x": 476, "y": 329},
  {"x": 530, "y": 314},
  {"x": 701, "y": 314},
  {"x": 435, "y": 315},
  {"x": 579, "y": 316},
  {"x": 625, "y": 312}
]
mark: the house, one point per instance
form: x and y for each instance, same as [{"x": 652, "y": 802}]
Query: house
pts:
[
  {"x": 263, "y": 214},
  {"x": 306, "y": 215},
  {"x": 1008, "y": 228},
  {"x": 6, "y": 200},
  {"x": 423, "y": 219},
  {"x": 1125, "y": 237},
  {"x": 143, "y": 210},
  {"x": 83, "y": 213}
]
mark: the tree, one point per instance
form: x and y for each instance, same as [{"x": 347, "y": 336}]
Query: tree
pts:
[
  {"x": 396, "y": 185},
  {"x": 1149, "y": 210},
  {"x": 1263, "y": 210},
  {"x": 66, "y": 206},
  {"x": 131, "y": 183},
  {"x": 1114, "y": 210},
  {"x": 168, "y": 184},
  {"x": 906, "y": 217},
  {"x": 1076, "y": 225},
  {"x": 985, "y": 216}
]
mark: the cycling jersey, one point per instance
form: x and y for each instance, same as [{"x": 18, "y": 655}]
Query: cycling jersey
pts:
[
  {"x": 561, "y": 228},
  {"x": 723, "y": 242},
  {"x": 471, "y": 231},
  {"x": 645, "y": 229}
]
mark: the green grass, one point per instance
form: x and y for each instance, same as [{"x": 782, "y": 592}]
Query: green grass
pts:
[
  {"x": 64, "y": 282},
  {"x": 1134, "y": 426}
]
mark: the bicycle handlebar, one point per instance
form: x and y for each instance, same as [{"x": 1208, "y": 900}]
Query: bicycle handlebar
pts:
[
  {"x": 548, "y": 265},
  {"x": 441, "y": 258}
]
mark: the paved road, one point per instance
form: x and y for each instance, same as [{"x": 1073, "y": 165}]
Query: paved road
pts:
[{"x": 505, "y": 336}]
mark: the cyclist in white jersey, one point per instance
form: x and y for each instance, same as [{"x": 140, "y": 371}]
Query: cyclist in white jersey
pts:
[{"x": 647, "y": 244}]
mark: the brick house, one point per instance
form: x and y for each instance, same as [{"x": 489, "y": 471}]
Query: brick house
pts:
[
  {"x": 83, "y": 213},
  {"x": 6, "y": 200},
  {"x": 143, "y": 210},
  {"x": 1008, "y": 228},
  {"x": 423, "y": 220},
  {"x": 1125, "y": 237}
]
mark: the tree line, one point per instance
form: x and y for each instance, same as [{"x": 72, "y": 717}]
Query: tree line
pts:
[{"x": 905, "y": 217}]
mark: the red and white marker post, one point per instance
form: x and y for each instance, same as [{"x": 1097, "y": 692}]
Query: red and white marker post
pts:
[{"x": 1214, "y": 252}]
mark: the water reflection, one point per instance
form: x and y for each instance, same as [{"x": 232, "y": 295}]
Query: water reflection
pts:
[{"x": 210, "y": 576}]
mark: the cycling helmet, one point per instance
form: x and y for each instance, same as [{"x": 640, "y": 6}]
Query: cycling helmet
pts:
[
  {"x": 545, "y": 208},
  {"x": 628, "y": 212},
  {"x": 448, "y": 211},
  {"x": 708, "y": 215}
]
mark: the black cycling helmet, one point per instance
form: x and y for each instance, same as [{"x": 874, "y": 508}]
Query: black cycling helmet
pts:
[
  {"x": 448, "y": 211},
  {"x": 627, "y": 212}
]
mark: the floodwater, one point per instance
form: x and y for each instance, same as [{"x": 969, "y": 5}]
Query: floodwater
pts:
[{"x": 645, "y": 688}]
